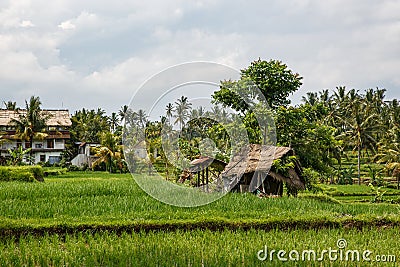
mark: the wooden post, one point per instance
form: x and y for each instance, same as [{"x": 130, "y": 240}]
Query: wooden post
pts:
[
  {"x": 198, "y": 178},
  {"x": 207, "y": 179},
  {"x": 202, "y": 176}
]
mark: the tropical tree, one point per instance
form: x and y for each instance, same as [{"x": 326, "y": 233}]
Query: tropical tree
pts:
[
  {"x": 275, "y": 81},
  {"x": 31, "y": 123},
  {"x": 389, "y": 154},
  {"x": 123, "y": 112},
  {"x": 10, "y": 105},
  {"x": 17, "y": 155},
  {"x": 110, "y": 153},
  {"x": 169, "y": 109},
  {"x": 360, "y": 125},
  {"x": 113, "y": 120},
  {"x": 182, "y": 111}
]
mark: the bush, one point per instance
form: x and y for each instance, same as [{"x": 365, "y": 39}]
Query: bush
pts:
[
  {"x": 21, "y": 173},
  {"x": 54, "y": 171},
  {"x": 311, "y": 178}
]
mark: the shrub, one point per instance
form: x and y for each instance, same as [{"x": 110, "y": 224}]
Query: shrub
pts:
[
  {"x": 54, "y": 171},
  {"x": 21, "y": 173},
  {"x": 311, "y": 178}
]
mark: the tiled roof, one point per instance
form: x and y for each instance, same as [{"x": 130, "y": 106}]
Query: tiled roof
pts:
[{"x": 57, "y": 117}]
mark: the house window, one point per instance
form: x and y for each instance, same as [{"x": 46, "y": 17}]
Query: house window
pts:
[
  {"x": 38, "y": 145},
  {"x": 50, "y": 143},
  {"x": 54, "y": 159},
  {"x": 43, "y": 158},
  {"x": 19, "y": 144},
  {"x": 27, "y": 145}
]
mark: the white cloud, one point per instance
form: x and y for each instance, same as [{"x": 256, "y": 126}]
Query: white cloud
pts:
[
  {"x": 26, "y": 24},
  {"x": 97, "y": 53},
  {"x": 67, "y": 25}
]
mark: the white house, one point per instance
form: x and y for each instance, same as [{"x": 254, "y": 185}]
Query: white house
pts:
[
  {"x": 47, "y": 150},
  {"x": 85, "y": 154}
]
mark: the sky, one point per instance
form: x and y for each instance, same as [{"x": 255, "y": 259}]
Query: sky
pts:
[{"x": 96, "y": 53}]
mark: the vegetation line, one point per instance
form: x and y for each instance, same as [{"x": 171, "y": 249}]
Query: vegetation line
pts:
[{"x": 210, "y": 225}]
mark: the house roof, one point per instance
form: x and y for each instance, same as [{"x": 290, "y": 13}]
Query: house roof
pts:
[{"x": 57, "y": 117}]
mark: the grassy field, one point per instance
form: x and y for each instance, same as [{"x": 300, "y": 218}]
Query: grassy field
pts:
[
  {"x": 201, "y": 248},
  {"x": 106, "y": 219}
]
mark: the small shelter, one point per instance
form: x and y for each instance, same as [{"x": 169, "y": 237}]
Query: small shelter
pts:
[
  {"x": 208, "y": 171},
  {"x": 250, "y": 169}
]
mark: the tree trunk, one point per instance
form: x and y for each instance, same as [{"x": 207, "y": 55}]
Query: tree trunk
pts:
[
  {"x": 31, "y": 152},
  {"x": 359, "y": 165}
]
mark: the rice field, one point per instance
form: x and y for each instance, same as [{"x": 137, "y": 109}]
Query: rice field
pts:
[
  {"x": 204, "y": 248},
  {"x": 101, "y": 219}
]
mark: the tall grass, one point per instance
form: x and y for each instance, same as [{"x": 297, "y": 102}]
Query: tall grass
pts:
[
  {"x": 103, "y": 199},
  {"x": 195, "y": 248}
]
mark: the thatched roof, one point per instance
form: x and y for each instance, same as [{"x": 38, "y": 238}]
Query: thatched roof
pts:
[
  {"x": 57, "y": 117},
  {"x": 203, "y": 162},
  {"x": 255, "y": 158}
]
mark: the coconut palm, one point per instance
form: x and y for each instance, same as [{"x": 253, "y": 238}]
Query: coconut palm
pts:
[
  {"x": 123, "y": 113},
  {"x": 182, "y": 111},
  {"x": 31, "y": 124},
  {"x": 390, "y": 155},
  {"x": 110, "y": 151},
  {"x": 113, "y": 120},
  {"x": 360, "y": 127},
  {"x": 10, "y": 105},
  {"x": 311, "y": 98},
  {"x": 169, "y": 109}
]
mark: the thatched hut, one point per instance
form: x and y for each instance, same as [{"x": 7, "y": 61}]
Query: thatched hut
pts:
[
  {"x": 251, "y": 169},
  {"x": 208, "y": 170}
]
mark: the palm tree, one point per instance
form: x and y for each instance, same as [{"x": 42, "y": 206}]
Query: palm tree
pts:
[
  {"x": 311, "y": 98},
  {"x": 123, "y": 112},
  {"x": 182, "y": 111},
  {"x": 31, "y": 124},
  {"x": 113, "y": 120},
  {"x": 10, "y": 105},
  {"x": 360, "y": 127},
  {"x": 110, "y": 151},
  {"x": 169, "y": 109},
  {"x": 390, "y": 154},
  {"x": 141, "y": 118}
]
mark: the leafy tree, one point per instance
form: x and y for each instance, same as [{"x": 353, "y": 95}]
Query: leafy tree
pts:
[
  {"x": 17, "y": 155},
  {"x": 273, "y": 78},
  {"x": 87, "y": 125},
  {"x": 302, "y": 129}
]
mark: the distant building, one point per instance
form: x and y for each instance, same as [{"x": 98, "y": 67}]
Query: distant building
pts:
[
  {"x": 85, "y": 154},
  {"x": 47, "y": 150}
]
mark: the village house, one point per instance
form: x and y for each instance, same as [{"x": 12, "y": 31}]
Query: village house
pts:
[{"x": 48, "y": 149}]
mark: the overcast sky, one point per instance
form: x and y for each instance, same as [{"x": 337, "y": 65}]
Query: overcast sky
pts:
[{"x": 96, "y": 53}]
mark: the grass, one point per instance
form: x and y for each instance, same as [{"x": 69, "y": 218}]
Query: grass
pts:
[
  {"x": 115, "y": 202},
  {"x": 101, "y": 219},
  {"x": 194, "y": 248}
]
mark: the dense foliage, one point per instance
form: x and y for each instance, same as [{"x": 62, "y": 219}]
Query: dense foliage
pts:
[{"x": 21, "y": 173}]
